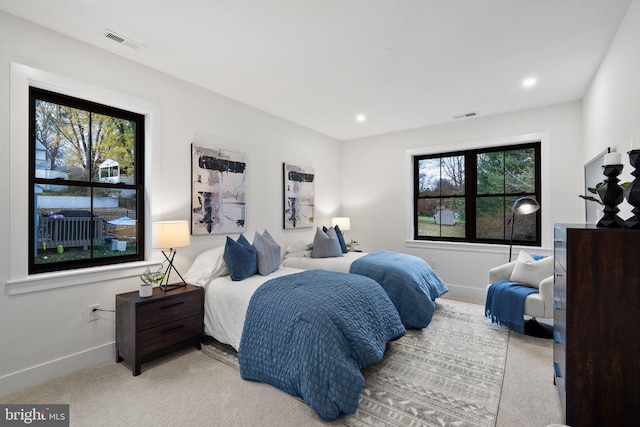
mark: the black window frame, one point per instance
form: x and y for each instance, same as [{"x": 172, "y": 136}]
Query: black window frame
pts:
[
  {"x": 35, "y": 94},
  {"x": 471, "y": 195}
]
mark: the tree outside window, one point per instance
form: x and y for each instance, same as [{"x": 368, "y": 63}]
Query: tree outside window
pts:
[
  {"x": 467, "y": 195},
  {"x": 86, "y": 181}
]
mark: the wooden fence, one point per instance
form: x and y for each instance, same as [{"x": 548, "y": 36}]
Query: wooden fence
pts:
[{"x": 71, "y": 231}]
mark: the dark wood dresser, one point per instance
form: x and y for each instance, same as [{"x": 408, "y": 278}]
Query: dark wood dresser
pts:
[
  {"x": 596, "y": 350},
  {"x": 164, "y": 322}
]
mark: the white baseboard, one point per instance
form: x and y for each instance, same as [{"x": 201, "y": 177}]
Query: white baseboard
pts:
[
  {"x": 466, "y": 293},
  {"x": 34, "y": 375}
]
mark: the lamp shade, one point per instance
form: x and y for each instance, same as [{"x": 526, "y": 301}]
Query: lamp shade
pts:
[
  {"x": 343, "y": 222},
  {"x": 170, "y": 234},
  {"x": 525, "y": 205}
]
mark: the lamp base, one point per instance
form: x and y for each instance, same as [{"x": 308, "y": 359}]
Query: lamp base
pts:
[
  {"x": 533, "y": 328},
  {"x": 173, "y": 286}
]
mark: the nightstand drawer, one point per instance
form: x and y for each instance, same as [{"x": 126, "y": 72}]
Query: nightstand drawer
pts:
[
  {"x": 158, "y": 312},
  {"x": 164, "y": 322},
  {"x": 169, "y": 334}
]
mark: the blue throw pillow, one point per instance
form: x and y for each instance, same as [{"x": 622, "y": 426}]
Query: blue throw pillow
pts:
[
  {"x": 240, "y": 257},
  {"x": 267, "y": 253},
  {"x": 326, "y": 245},
  {"x": 343, "y": 244}
]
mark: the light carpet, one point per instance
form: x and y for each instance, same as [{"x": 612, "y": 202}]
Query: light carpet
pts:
[{"x": 449, "y": 374}]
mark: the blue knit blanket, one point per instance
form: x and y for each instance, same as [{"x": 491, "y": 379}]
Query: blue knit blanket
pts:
[
  {"x": 505, "y": 304},
  {"x": 309, "y": 334},
  {"x": 410, "y": 282}
]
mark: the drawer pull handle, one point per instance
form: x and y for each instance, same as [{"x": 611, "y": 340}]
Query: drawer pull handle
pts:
[
  {"x": 173, "y": 329},
  {"x": 172, "y": 305},
  {"x": 556, "y": 368},
  {"x": 557, "y": 338}
]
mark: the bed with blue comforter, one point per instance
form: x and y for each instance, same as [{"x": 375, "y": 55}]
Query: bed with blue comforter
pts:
[
  {"x": 410, "y": 282},
  {"x": 311, "y": 332}
]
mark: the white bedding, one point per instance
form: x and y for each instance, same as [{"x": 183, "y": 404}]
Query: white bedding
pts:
[
  {"x": 226, "y": 303},
  {"x": 340, "y": 264}
]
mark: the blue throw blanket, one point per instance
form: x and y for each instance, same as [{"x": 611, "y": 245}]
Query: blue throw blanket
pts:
[
  {"x": 410, "y": 282},
  {"x": 505, "y": 304},
  {"x": 309, "y": 334}
]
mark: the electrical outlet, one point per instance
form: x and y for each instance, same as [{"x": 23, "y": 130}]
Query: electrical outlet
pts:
[{"x": 93, "y": 312}]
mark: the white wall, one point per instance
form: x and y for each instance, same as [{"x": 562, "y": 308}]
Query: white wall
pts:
[
  {"x": 45, "y": 333},
  {"x": 374, "y": 176},
  {"x": 375, "y": 192},
  {"x": 611, "y": 107}
]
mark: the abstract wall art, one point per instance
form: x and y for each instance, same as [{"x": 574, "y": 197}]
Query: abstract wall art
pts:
[
  {"x": 299, "y": 196},
  {"x": 218, "y": 191}
]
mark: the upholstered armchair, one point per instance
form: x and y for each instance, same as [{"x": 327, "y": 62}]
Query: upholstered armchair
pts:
[{"x": 538, "y": 304}]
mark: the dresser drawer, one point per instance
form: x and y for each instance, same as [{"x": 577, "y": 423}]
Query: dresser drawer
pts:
[
  {"x": 560, "y": 283},
  {"x": 161, "y": 311},
  {"x": 559, "y": 322},
  {"x": 171, "y": 333},
  {"x": 560, "y": 245}
]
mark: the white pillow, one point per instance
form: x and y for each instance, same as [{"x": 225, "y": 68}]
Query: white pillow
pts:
[
  {"x": 525, "y": 257},
  {"x": 206, "y": 267},
  {"x": 529, "y": 272},
  {"x": 299, "y": 254},
  {"x": 299, "y": 245}
]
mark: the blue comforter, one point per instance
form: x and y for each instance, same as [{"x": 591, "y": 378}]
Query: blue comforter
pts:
[
  {"x": 309, "y": 334},
  {"x": 410, "y": 282}
]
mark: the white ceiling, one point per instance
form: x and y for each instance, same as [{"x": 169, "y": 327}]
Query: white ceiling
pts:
[{"x": 319, "y": 63}]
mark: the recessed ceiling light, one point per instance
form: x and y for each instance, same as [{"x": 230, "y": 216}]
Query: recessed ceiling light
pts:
[
  {"x": 385, "y": 51},
  {"x": 530, "y": 82},
  {"x": 361, "y": 118}
]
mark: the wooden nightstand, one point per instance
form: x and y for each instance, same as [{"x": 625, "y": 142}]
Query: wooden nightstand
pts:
[{"x": 157, "y": 325}]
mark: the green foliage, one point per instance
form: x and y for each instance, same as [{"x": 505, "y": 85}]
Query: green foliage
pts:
[
  {"x": 502, "y": 176},
  {"x": 78, "y": 141},
  {"x": 503, "y": 172},
  {"x": 74, "y": 254},
  {"x": 428, "y": 227},
  {"x": 152, "y": 277}
]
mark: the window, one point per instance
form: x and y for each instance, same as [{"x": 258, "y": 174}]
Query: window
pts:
[
  {"x": 86, "y": 183},
  {"x": 467, "y": 195}
]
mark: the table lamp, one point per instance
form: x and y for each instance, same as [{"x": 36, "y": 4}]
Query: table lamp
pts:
[
  {"x": 170, "y": 235},
  {"x": 343, "y": 222}
]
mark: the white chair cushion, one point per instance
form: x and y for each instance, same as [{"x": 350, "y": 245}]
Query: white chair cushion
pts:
[{"x": 529, "y": 272}]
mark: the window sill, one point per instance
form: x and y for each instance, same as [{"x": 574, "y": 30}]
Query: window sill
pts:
[
  {"x": 473, "y": 247},
  {"x": 62, "y": 279}
]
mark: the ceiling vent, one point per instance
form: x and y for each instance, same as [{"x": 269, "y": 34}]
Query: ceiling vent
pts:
[
  {"x": 466, "y": 115},
  {"x": 122, "y": 40}
]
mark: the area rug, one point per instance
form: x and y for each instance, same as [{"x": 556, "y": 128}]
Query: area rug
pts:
[{"x": 449, "y": 374}]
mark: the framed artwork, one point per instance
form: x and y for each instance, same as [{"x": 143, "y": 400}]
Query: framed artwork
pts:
[
  {"x": 299, "y": 196},
  {"x": 217, "y": 191}
]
